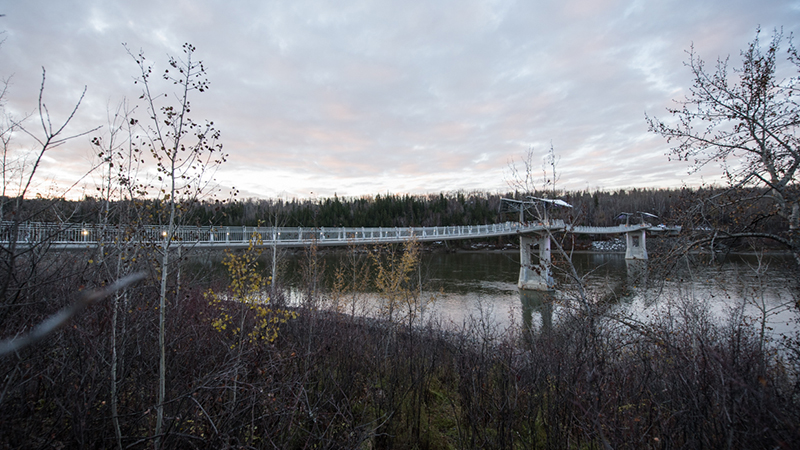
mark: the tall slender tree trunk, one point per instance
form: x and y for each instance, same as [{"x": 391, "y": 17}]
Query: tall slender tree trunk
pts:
[
  {"x": 162, "y": 304},
  {"x": 162, "y": 362},
  {"x": 114, "y": 363}
]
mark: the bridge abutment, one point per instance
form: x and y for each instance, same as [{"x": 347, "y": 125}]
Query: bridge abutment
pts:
[
  {"x": 635, "y": 244},
  {"x": 535, "y": 276}
]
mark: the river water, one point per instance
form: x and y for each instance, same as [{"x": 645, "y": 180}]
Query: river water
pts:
[{"x": 483, "y": 284}]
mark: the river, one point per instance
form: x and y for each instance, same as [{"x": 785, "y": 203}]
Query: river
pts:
[{"x": 483, "y": 284}]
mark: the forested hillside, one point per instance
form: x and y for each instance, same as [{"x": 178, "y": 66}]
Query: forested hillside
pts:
[
  {"x": 693, "y": 208},
  {"x": 444, "y": 209}
]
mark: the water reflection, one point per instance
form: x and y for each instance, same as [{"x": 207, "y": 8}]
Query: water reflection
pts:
[
  {"x": 475, "y": 282},
  {"x": 541, "y": 303}
]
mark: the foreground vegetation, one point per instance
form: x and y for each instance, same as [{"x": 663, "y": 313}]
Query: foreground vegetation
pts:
[{"x": 331, "y": 380}]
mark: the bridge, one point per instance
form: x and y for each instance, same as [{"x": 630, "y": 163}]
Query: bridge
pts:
[{"x": 534, "y": 274}]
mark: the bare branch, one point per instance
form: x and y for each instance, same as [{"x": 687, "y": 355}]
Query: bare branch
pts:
[{"x": 61, "y": 318}]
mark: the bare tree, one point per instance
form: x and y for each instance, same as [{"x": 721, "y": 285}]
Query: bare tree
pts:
[
  {"x": 186, "y": 153},
  {"x": 24, "y": 172},
  {"x": 118, "y": 246},
  {"x": 746, "y": 119}
]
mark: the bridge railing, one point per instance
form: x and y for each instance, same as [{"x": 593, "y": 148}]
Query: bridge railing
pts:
[
  {"x": 92, "y": 234},
  {"x": 582, "y": 229},
  {"x": 78, "y": 233}
]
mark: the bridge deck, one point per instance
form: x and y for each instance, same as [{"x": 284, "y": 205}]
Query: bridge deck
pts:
[
  {"x": 580, "y": 229},
  {"x": 67, "y": 235}
]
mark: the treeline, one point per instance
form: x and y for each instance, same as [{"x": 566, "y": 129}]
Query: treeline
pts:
[
  {"x": 445, "y": 209},
  {"x": 726, "y": 209}
]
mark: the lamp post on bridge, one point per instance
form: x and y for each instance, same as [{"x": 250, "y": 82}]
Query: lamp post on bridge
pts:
[
  {"x": 508, "y": 205},
  {"x": 549, "y": 202},
  {"x": 627, "y": 217}
]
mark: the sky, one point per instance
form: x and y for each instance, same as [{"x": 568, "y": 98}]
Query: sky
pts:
[{"x": 357, "y": 98}]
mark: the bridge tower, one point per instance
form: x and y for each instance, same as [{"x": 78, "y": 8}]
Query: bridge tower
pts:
[
  {"x": 635, "y": 247},
  {"x": 535, "y": 276}
]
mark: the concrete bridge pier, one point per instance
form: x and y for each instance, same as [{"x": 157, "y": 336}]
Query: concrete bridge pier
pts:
[
  {"x": 636, "y": 274},
  {"x": 535, "y": 275},
  {"x": 635, "y": 247}
]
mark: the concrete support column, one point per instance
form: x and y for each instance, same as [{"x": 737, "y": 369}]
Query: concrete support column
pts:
[
  {"x": 635, "y": 244},
  {"x": 535, "y": 276},
  {"x": 636, "y": 274}
]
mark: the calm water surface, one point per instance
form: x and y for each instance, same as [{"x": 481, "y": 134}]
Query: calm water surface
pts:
[{"x": 485, "y": 284}]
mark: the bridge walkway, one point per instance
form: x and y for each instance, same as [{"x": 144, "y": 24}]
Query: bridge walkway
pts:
[{"x": 74, "y": 235}]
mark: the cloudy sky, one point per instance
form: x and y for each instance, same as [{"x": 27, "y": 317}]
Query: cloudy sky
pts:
[{"x": 360, "y": 97}]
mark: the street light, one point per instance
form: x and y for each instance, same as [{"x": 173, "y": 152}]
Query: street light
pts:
[
  {"x": 550, "y": 201},
  {"x": 642, "y": 214},
  {"x": 512, "y": 205},
  {"x": 627, "y": 216}
]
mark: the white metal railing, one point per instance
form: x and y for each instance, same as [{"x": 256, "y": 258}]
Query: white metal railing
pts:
[
  {"x": 619, "y": 229},
  {"x": 74, "y": 234}
]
